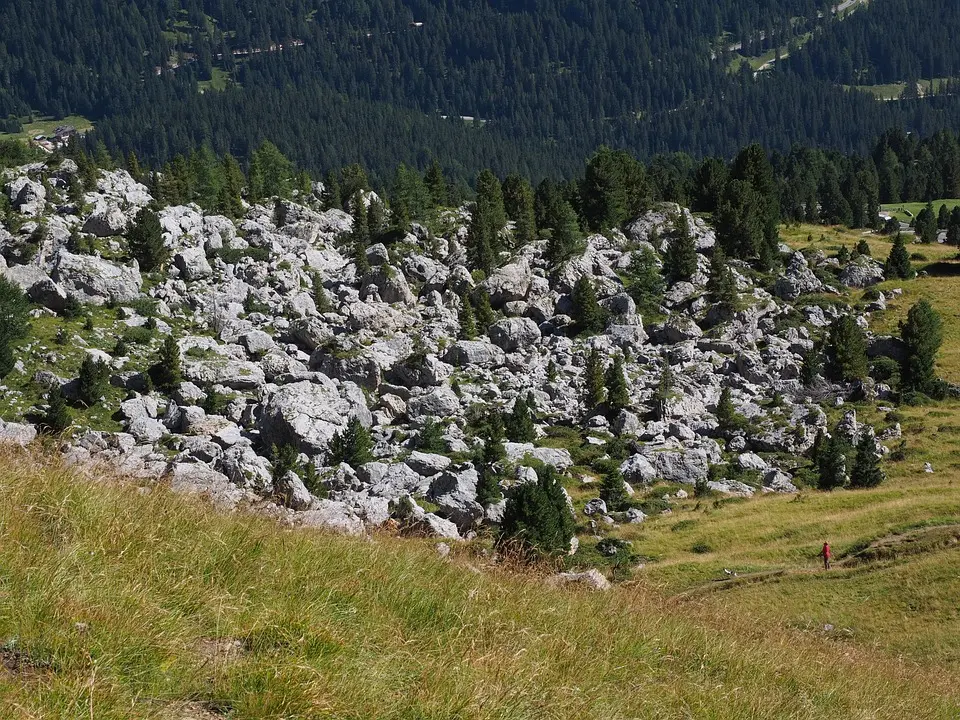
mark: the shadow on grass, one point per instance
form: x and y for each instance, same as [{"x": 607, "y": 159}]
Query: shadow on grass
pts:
[{"x": 943, "y": 269}]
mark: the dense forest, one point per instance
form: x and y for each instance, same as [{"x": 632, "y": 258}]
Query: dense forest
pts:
[{"x": 542, "y": 84}]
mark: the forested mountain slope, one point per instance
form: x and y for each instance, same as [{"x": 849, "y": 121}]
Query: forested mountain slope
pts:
[{"x": 544, "y": 83}]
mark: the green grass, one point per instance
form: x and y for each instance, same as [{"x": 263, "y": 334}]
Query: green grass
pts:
[
  {"x": 124, "y": 604},
  {"x": 218, "y": 82},
  {"x": 47, "y": 125}
]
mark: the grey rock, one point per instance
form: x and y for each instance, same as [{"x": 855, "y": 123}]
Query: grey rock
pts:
[
  {"x": 595, "y": 507},
  {"x": 331, "y": 515},
  {"x": 797, "y": 280},
  {"x": 95, "y": 280},
  {"x": 427, "y": 464},
  {"x": 391, "y": 284},
  {"x": 441, "y": 402},
  {"x": 555, "y": 457},
  {"x": 509, "y": 283},
  {"x": 106, "y": 220},
  {"x": 146, "y": 430},
  {"x": 638, "y": 470},
  {"x": 475, "y": 352},
  {"x": 514, "y": 334},
  {"x": 862, "y": 272},
  {"x": 293, "y": 492},
  {"x": 18, "y": 433},
  {"x": 192, "y": 264},
  {"x": 591, "y": 578}
]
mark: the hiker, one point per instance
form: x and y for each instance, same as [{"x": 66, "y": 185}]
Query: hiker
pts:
[{"x": 825, "y": 554}]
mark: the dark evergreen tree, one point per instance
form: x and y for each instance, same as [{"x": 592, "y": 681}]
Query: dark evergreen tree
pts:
[
  {"x": 832, "y": 463},
  {"x": 722, "y": 286},
  {"x": 482, "y": 311},
  {"x": 847, "y": 349},
  {"x": 519, "y": 423},
  {"x": 644, "y": 280},
  {"x": 468, "y": 323},
  {"x": 587, "y": 313},
  {"x": 56, "y": 419},
  {"x": 436, "y": 184},
  {"x": 352, "y": 445},
  {"x": 613, "y": 491},
  {"x": 565, "y": 238},
  {"x": 14, "y": 322},
  {"x": 680, "y": 259},
  {"x": 537, "y": 518},
  {"x": 145, "y": 241},
  {"x": 922, "y": 333},
  {"x": 867, "y": 471},
  {"x": 594, "y": 385},
  {"x": 167, "y": 372},
  {"x": 93, "y": 381},
  {"x": 898, "y": 261},
  {"x": 618, "y": 392},
  {"x": 284, "y": 458},
  {"x": 663, "y": 392}
]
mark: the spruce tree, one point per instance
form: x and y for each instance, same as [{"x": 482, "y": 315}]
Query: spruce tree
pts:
[
  {"x": 613, "y": 491},
  {"x": 330, "y": 198},
  {"x": 728, "y": 419},
  {"x": 922, "y": 333},
  {"x": 320, "y": 298},
  {"x": 663, "y": 392},
  {"x": 167, "y": 372},
  {"x": 93, "y": 381},
  {"x": 145, "y": 241},
  {"x": 519, "y": 423},
  {"x": 867, "y": 471},
  {"x": 593, "y": 381},
  {"x": 847, "y": 349},
  {"x": 436, "y": 184},
  {"x": 14, "y": 322},
  {"x": 483, "y": 311},
  {"x": 898, "y": 261},
  {"x": 832, "y": 464},
  {"x": 587, "y": 313},
  {"x": 618, "y": 392},
  {"x": 537, "y": 518},
  {"x": 283, "y": 458},
  {"x": 486, "y": 221},
  {"x": 680, "y": 260},
  {"x": 468, "y": 323},
  {"x": 352, "y": 445},
  {"x": 721, "y": 285},
  {"x": 565, "y": 238},
  {"x": 56, "y": 419},
  {"x": 863, "y": 247},
  {"x": 644, "y": 280}
]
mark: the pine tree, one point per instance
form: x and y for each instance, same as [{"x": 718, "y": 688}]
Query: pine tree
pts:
[
  {"x": 587, "y": 313},
  {"x": 898, "y": 262},
  {"x": 722, "y": 286},
  {"x": 167, "y": 373},
  {"x": 680, "y": 260},
  {"x": 644, "y": 280},
  {"x": 352, "y": 445},
  {"x": 618, "y": 392},
  {"x": 565, "y": 238},
  {"x": 320, "y": 298},
  {"x": 133, "y": 166},
  {"x": 14, "y": 322},
  {"x": 56, "y": 419},
  {"x": 663, "y": 392},
  {"x": 812, "y": 366},
  {"x": 486, "y": 222},
  {"x": 331, "y": 199},
  {"x": 863, "y": 247},
  {"x": 93, "y": 381},
  {"x": 537, "y": 518},
  {"x": 483, "y": 311},
  {"x": 832, "y": 464},
  {"x": 593, "y": 381},
  {"x": 922, "y": 333},
  {"x": 867, "y": 471},
  {"x": 229, "y": 198},
  {"x": 728, "y": 419},
  {"x": 436, "y": 184},
  {"x": 847, "y": 349},
  {"x": 284, "y": 458},
  {"x": 613, "y": 491},
  {"x": 519, "y": 423},
  {"x": 604, "y": 191},
  {"x": 518, "y": 201},
  {"x": 468, "y": 323},
  {"x": 145, "y": 241}
]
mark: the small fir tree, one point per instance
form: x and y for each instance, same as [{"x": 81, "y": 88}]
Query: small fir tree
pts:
[
  {"x": 832, "y": 463},
  {"x": 593, "y": 380},
  {"x": 284, "y": 458},
  {"x": 922, "y": 333},
  {"x": 537, "y": 518},
  {"x": 468, "y": 322},
  {"x": 145, "y": 241},
  {"x": 93, "y": 381},
  {"x": 483, "y": 311},
  {"x": 644, "y": 280},
  {"x": 587, "y": 313},
  {"x": 520, "y": 422},
  {"x": 722, "y": 286},
  {"x": 56, "y": 419},
  {"x": 663, "y": 392},
  {"x": 867, "y": 471},
  {"x": 14, "y": 322},
  {"x": 352, "y": 445},
  {"x": 613, "y": 491},
  {"x": 898, "y": 261},
  {"x": 848, "y": 350},
  {"x": 618, "y": 392},
  {"x": 680, "y": 260},
  {"x": 167, "y": 372}
]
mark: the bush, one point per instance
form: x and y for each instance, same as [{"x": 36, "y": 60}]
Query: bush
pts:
[
  {"x": 137, "y": 336},
  {"x": 166, "y": 372},
  {"x": 702, "y": 548},
  {"x": 14, "y": 322},
  {"x": 430, "y": 438},
  {"x": 352, "y": 445},
  {"x": 537, "y": 518},
  {"x": 93, "y": 382}
]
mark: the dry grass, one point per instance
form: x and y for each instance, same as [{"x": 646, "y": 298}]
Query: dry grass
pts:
[{"x": 349, "y": 628}]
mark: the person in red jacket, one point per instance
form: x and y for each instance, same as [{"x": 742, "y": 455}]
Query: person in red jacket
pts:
[{"x": 825, "y": 554}]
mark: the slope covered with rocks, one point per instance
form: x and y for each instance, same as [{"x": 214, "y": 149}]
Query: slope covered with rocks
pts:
[{"x": 265, "y": 368}]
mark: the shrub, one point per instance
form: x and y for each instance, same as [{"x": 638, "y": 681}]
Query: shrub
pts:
[
  {"x": 166, "y": 372},
  {"x": 352, "y": 445},
  {"x": 56, "y": 419},
  {"x": 537, "y": 518},
  {"x": 430, "y": 438},
  {"x": 614, "y": 492},
  {"x": 93, "y": 381},
  {"x": 701, "y": 548}
]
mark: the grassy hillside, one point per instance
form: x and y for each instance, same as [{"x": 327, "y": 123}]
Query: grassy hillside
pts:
[{"x": 118, "y": 603}]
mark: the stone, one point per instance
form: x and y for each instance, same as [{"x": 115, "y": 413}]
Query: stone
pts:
[
  {"x": 293, "y": 492},
  {"x": 331, "y": 515},
  {"x": 558, "y": 458},
  {"x": 203, "y": 480},
  {"x": 96, "y": 280},
  {"x": 427, "y": 464},
  {"x": 441, "y": 402},
  {"x": 236, "y": 374},
  {"x": 391, "y": 284},
  {"x": 591, "y": 578},
  {"x": 307, "y": 414},
  {"x": 638, "y": 470},
  {"x": 475, "y": 352},
  {"x": 256, "y": 342},
  {"x": 146, "y": 430},
  {"x": 192, "y": 264},
  {"x": 514, "y": 334},
  {"x": 509, "y": 283},
  {"x": 17, "y": 433},
  {"x": 595, "y": 507},
  {"x": 797, "y": 280},
  {"x": 751, "y": 461},
  {"x": 778, "y": 481},
  {"x": 862, "y": 272},
  {"x": 106, "y": 220}
]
